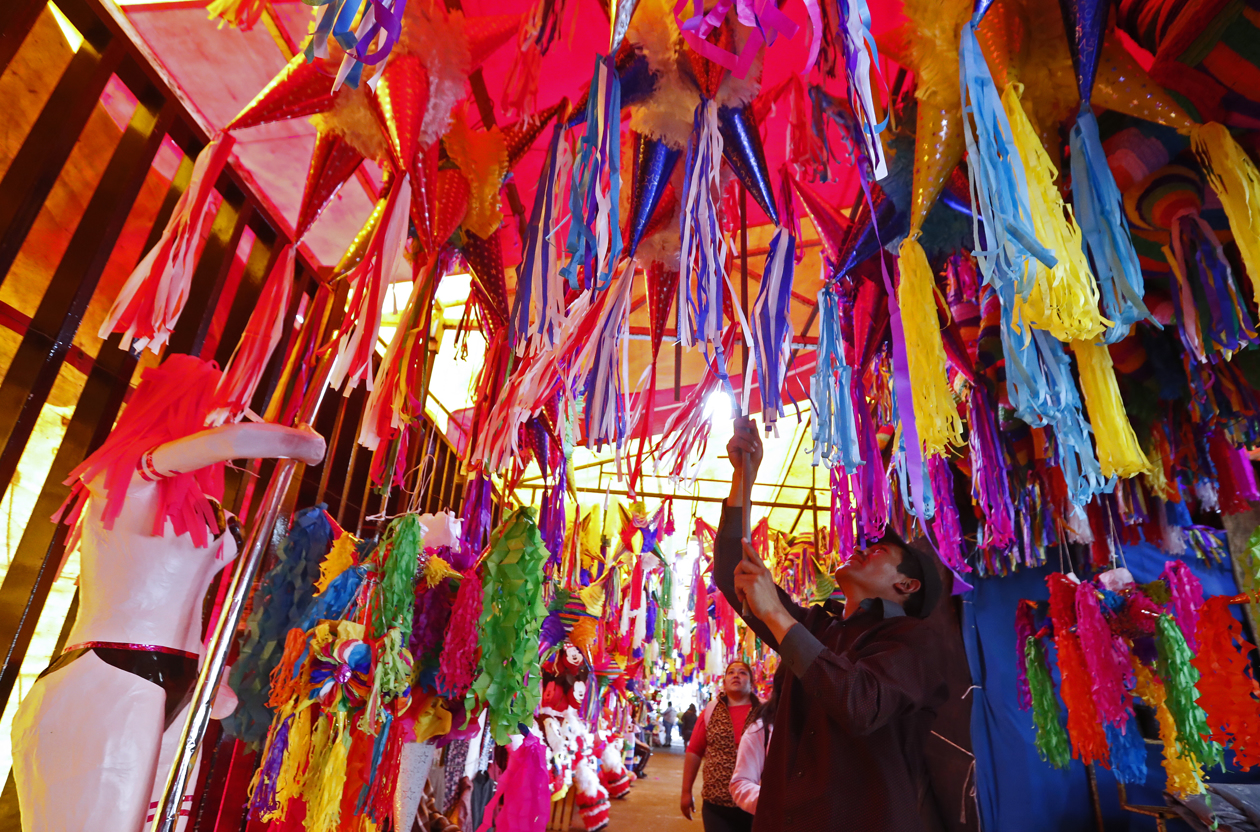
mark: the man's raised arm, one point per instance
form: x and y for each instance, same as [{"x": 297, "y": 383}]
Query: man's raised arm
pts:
[{"x": 745, "y": 452}]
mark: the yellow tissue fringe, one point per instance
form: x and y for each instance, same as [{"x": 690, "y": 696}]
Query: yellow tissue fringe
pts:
[
  {"x": 931, "y": 37},
  {"x": 1185, "y": 775},
  {"x": 328, "y": 758},
  {"x": 1119, "y": 453},
  {"x": 438, "y": 570},
  {"x": 297, "y": 758},
  {"x": 1154, "y": 476},
  {"x": 1236, "y": 181},
  {"x": 1064, "y": 299},
  {"x": 935, "y": 412},
  {"x": 339, "y": 558},
  {"x": 482, "y": 157}
]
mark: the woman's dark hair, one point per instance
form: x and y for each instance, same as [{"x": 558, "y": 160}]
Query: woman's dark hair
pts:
[{"x": 765, "y": 711}]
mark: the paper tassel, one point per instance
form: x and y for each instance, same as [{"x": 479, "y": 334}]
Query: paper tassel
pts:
[
  {"x": 1042, "y": 391},
  {"x": 264, "y": 803},
  {"x": 1183, "y": 770},
  {"x": 1100, "y": 213},
  {"x": 1236, "y": 181},
  {"x": 1063, "y": 299},
  {"x": 945, "y": 523},
  {"x": 459, "y": 652},
  {"x": 369, "y": 279},
  {"x": 1128, "y": 752},
  {"x": 1089, "y": 741},
  {"x": 999, "y": 188},
  {"x": 1119, "y": 453},
  {"x": 855, "y": 38},
  {"x": 330, "y": 750},
  {"x": 935, "y": 412},
  {"x": 1186, "y": 597},
  {"x": 595, "y": 191},
  {"x": 703, "y": 246},
  {"x": 245, "y": 368},
  {"x": 539, "y": 284},
  {"x": 401, "y": 547},
  {"x": 284, "y": 594},
  {"x": 772, "y": 324},
  {"x": 389, "y": 404},
  {"x": 1051, "y": 739},
  {"x": 149, "y": 304},
  {"x": 1180, "y": 678},
  {"x": 340, "y": 558},
  {"x": 605, "y": 389},
  {"x": 834, "y": 426},
  {"x": 1107, "y": 669},
  {"x": 1227, "y": 686},
  {"x": 990, "y": 487},
  {"x": 512, "y": 614}
]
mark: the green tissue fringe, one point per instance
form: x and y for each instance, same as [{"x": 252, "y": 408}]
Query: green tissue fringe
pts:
[
  {"x": 1248, "y": 562},
  {"x": 512, "y": 612},
  {"x": 1180, "y": 677},
  {"x": 1052, "y": 738},
  {"x": 402, "y": 543}
]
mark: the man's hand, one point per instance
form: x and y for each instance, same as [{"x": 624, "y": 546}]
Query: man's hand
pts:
[
  {"x": 688, "y": 805},
  {"x": 755, "y": 587},
  {"x": 746, "y": 440}
]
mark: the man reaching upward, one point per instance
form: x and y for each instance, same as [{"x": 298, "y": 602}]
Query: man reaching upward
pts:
[{"x": 863, "y": 680}]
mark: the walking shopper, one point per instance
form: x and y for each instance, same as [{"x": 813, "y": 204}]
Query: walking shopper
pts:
[
  {"x": 670, "y": 719},
  {"x": 686, "y": 723},
  {"x": 716, "y": 740},
  {"x": 863, "y": 681}
]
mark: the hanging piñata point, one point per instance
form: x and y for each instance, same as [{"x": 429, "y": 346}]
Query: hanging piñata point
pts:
[{"x": 1097, "y": 200}]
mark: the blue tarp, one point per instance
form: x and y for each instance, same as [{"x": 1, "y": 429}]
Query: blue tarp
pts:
[{"x": 1015, "y": 789}]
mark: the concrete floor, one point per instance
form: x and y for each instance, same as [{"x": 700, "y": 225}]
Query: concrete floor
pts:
[{"x": 652, "y": 805}]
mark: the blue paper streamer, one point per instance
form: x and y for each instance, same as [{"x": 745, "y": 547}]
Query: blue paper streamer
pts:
[
  {"x": 834, "y": 429},
  {"x": 598, "y": 161},
  {"x": 1099, "y": 210},
  {"x": 999, "y": 189},
  {"x": 772, "y": 324}
]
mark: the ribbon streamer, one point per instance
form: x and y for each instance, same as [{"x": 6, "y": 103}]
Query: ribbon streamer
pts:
[
  {"x": 703, "y": 246},
  {"x": 540, "y": 286},
  {"x": 772, "y": 324},
  {"x": 834, "y": 427},
  {"x": 595, "y": 190},
  {"x": 1100, "y": 213}
]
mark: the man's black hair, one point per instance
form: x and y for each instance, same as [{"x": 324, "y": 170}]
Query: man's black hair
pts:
[{"x": 921, "y": 566}]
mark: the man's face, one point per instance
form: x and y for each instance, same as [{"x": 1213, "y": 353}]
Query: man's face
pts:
[
  {"x": 737, "y": 681},
  {"x": 873, "y": 570}
]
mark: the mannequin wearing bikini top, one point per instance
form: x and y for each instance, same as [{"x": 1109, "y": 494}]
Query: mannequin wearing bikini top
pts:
[{"x": 92, "y": 740}]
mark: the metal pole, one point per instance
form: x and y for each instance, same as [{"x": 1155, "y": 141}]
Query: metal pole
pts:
[{"x": 167, "y": 814}]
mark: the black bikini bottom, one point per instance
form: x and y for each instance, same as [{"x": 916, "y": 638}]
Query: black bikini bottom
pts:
[{"x": 174, "y": 671}]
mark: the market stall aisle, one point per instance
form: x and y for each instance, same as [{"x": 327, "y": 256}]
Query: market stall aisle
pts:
[{"x": 653, "y": 802}]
